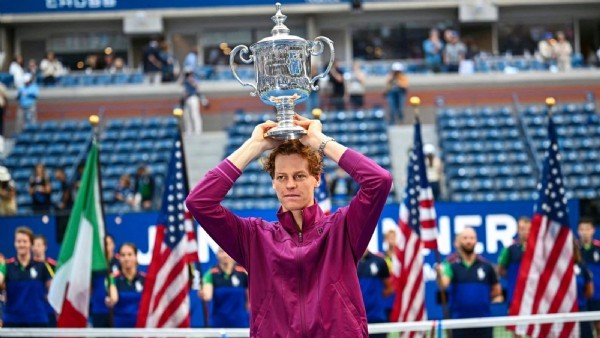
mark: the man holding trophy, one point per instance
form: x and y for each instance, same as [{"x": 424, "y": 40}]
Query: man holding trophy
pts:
[{"x": 302, "y": 269}]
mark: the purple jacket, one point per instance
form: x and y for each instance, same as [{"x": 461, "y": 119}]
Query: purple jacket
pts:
[{"x": 301, "y": 284}]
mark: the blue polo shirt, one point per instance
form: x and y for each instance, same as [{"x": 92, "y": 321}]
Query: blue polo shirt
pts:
[
  {"x": 372, "y": 271},
  {"x": 510, "y": 259},
  {"x": 130, "y": 294},
  {"x": 591, "y": 257},
  {"x": 99, "y": 286},
  {"x": 229, "y": 297},
  {"x": 471, "y": 287},
  {"x": 582, "y": 277},
  {"x": 25, "y": 292}
]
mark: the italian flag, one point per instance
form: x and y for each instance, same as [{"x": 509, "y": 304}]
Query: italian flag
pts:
[{"x": 82, "y": 251}]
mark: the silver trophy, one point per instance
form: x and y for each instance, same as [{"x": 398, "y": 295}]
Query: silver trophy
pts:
[{"x": 282, "y": 67}]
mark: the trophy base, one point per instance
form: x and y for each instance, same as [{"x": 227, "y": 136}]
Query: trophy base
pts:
[{"x": 286, "y": 133}]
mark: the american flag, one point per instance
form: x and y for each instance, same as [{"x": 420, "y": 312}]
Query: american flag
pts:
[
  {"x": 323, "y": 198},
  {"x": 165, "y": 301},
  {"x": 546, "y": 281},
  {"x": 417, "y": 230}
]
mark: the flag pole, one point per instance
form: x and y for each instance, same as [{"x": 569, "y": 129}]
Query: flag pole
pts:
[
  {"x": 550, "y": 103},
  {"x": 94, "y": 121},
  {"x": 178, "y": 114}
]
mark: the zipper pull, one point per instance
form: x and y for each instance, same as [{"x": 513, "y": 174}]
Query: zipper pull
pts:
[{"x": 300, "y": 237}]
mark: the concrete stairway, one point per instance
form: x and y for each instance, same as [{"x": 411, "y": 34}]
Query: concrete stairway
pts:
[{"x": 203, "y": 152}]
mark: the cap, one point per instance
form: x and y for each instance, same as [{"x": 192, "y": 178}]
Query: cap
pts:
[
  {"x": 398, "y": 67},
  {"x": 27, "y": 77},
  {"x": 429, "y": 149},
  {"x": 4, "y": 174},
  {"x": 548, "y": 35}
]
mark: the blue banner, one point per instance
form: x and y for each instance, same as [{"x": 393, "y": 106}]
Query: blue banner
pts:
[
  {"x": 56, "y": 6},
  {"x": 494, "y": 222}
]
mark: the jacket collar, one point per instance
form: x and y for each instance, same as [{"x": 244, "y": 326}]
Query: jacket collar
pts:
[{"x": 310, "y": 216}]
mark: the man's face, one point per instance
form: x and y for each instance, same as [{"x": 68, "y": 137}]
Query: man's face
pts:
[
  {"x": 22, "y": 244},
  {"x": 523, "y": 230},
  {"x": 467, "y": 241},
  {"x": 586, "y": 232},
  {"x": 39, "y": 248},
  {"x": 294, "y": 185}
]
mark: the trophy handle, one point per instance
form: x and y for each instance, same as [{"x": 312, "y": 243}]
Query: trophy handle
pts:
[
  {"x": 250, "y": 59},
  {"x": 316, "y": 49}
]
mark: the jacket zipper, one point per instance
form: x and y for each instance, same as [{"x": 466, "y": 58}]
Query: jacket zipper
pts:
[{"x": 303, "y": 324}]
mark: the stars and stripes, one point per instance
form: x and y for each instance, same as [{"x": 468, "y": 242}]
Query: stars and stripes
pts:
[
  {"x": 322, "y": 195},
  {"x": 165, "y": 301},
  {"x": 417, "y": 230},
  {"x": 546, "y": 281}
]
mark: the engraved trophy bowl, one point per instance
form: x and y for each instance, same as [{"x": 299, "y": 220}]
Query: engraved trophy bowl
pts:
[{"x": 282, "y": 64}]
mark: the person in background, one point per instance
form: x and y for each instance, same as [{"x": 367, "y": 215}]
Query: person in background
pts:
[
  {"x": 129, "y": 284},
  {"x": 341, "y": 187},
  {"x": 302, "y": 269},
  {"x": 434, "y": 170},
  {"x": 65, "y": 203},
  {"x": 17, "y": 71},
  {"x": 546, "y": 49},
  {"x": 590, "y": 254},
  {"x": 27, "y": 96},
  {"x": 396, "y": 88},
  {"x": 51, "y": 69},
  {"x": 40, "y": 190},
  {"x": 8, "y": 193},
  {"x": 313, "y": 98},
  {"x": 192, "y": 119},
  {"x": 454, "y": 53},
  {"x": 226, "y": 285},
  {"x": 104, "y": 290},
  {"x": 433, "y": 48},
  {"x": 144, "y": 188},
  {"x": 510, "y": 257},
  {"x": 338, "y": 88},
  {"x": 32, "y": 68},
  {"x": 39, "y": 248},
  {"x": 152, "y": 63},
  {"x": 26, "y": 282},
  {"x": 124, "y": 193},
  {"x": 391, "y": 259},
  {"x": 472, "y": 284},
  {"x": 356, "y": 86},
  {"x": 562, "y": 51},
  {"x": 585, "y": 290},
  {"x": 375, "y": 285},
  {"x": 170, "y": 66},
  {"x": 191, "y": 59}
]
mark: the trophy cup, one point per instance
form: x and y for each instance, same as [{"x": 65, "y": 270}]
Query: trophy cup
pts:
[{"x": 282, "y": 67}]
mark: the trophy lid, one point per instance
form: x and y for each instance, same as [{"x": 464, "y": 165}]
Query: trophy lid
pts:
[{"x": 280, "y": 30}]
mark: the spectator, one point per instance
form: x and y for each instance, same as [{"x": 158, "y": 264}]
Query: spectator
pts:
[
  {"x": 32, "y": 68},
  {"x": 51, "y": 69},
  {"x": 65, "y": 202},
  {"x": 473, "y": 282},
  {"x": 454, "y": 52},
  {"x": 510, "y": 257},
  {"x": 562, "y": 51},
  {"x": 152, "y": 63},
  {"x": 144, "y": 188},
  {"x": 39, "y": 248},
  {"x": 227, "y": 286},
  {"x": 585, "y": 290},
  {"x": 191, "y": 59},
  {"x": 433, "y": 47},
  {"x": 342, "y": 187},
  {"x": 40, "y": 190},
  {"x": 396, "y": 88},
  {"x": 17, "y": 71},
  {"x": 77, "y": 180},
  {"x": 129, "y": 285},
  {"x": 375, "y": 285},
  {"x": 356, "y": 88},
  {"x": 27, "y": 97},
  {"x": 192, "y": 119},
  {"x": 313, "y": 98},
  {"x": 26, "y": 282},
  {"x": 170, "y": 66},
  {"x": 546, "y": 49},
  {"x": 118, "y": 66},
  {"x": 434, "y": 170},
  {"x": 124, "y": 194},
  {"x": 391, "y": 259},
  {"x": 336, "y": 79},
  {"x": 8, "y": 193},
  {"x": 3, "y": 109},
  {"x": 590, "y": 253},
  {"x": 100, "y": 299}
]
